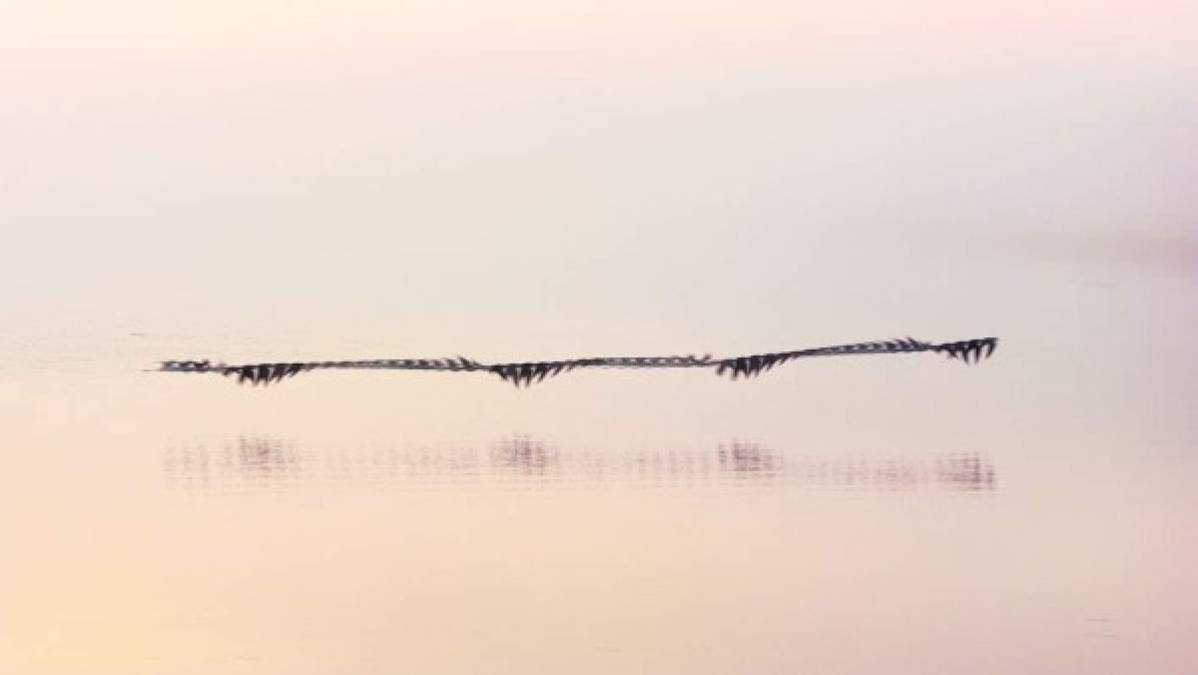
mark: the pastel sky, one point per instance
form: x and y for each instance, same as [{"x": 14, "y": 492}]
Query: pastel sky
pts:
[{"x": 252, "y": 160}]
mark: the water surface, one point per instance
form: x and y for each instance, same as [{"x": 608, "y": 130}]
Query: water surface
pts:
[{"x": 882, "y": 514}]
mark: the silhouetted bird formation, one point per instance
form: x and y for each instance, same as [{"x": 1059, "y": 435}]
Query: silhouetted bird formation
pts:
[{"x": 525, "y": 373}]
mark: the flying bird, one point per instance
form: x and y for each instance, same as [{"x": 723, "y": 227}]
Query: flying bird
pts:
[{"x": 526, "y": 372}]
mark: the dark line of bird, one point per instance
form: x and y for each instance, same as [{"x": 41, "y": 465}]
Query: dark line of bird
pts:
[{"x": 526, "y": 373}]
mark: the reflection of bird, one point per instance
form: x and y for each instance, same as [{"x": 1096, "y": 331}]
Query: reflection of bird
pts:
[{"x": 524, "y": 373}]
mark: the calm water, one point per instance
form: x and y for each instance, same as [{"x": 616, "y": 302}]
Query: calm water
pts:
[{"x": 900, "y": 514}]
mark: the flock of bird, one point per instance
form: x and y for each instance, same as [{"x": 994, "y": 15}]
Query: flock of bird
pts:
[{"x": 527, "y": 372}]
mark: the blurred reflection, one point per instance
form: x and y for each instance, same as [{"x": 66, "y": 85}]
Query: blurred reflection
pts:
[
  {"x": 968, "y": 472},
  {"x": 748, "y": 459},
  {"x": 249, "y": 461},
  {"x": 264, "y": 462},
  {"x": 525, "y": 457}
]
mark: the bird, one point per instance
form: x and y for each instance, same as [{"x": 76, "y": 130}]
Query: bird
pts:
[{"x": 526, "y": 373}]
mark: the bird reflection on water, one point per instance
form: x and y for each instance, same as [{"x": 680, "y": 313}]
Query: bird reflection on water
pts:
[
  {"x": 267, "y": 463},
  {"x": 260, "y": 461}
]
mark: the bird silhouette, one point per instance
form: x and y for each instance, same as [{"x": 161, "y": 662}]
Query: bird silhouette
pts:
[{"x": 527, "y": 372}]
